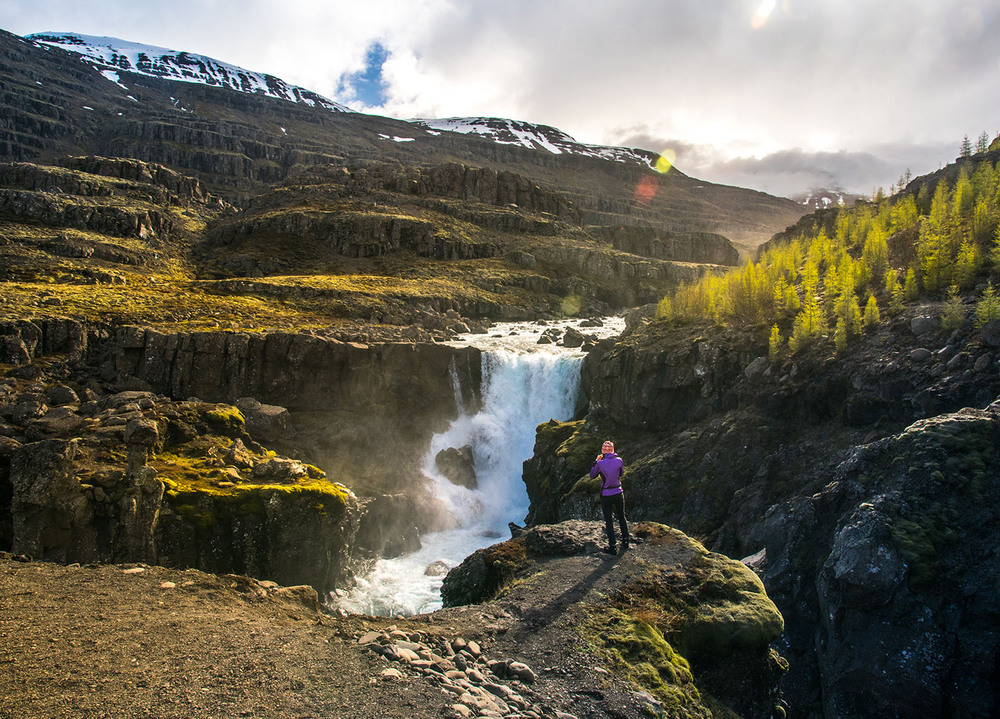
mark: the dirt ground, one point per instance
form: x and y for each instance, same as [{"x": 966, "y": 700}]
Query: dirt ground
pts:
[
  {"x": 105, "y": 641},
  {"x": 128, "y": 641}
]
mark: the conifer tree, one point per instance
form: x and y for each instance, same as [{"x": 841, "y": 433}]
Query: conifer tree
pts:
[
  {"x": 983, "y": 142},
  {"x": 988, "y": 307},
  {"x": 995, "y": 251},
  {"x": 774, "y": 343},
  {"x": 934, "y": 247},
  {"x": 983, "y": 222},
  {"x": 895, "y": 292},
  {"x": 664, "y": 309},
  {"x": 965, "y": 148},
  {"x": 781, "y": 296},
  {"x": 953, "y": 311},
  {"x": 910, "y": 289},
  {"x": 872, "y": 315},
  {"x": 792, "y": 303},
  {"x": 876, "y": 253},
  {"x": 840, "y": 335},
  {"x": 967, "y": 265},
  {"x": 809, "y": 323}
]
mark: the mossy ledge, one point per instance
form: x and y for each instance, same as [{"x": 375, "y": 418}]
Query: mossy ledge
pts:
[{"x": 690, "y": 629}]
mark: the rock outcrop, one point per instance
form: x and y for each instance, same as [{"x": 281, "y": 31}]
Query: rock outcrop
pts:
[
  {"x": 135, "y": 477},
  {"x": 896, "y": 557},
  {"x": 679, "y": 621}
]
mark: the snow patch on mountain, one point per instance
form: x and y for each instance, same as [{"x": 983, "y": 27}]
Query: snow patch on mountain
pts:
[
  {"x": 534, "y": 137},
  {"x": 821, "y": 198},
  {"x": 112, "y": 56}
]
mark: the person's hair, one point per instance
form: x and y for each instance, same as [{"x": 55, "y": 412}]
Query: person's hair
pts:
[{"x": 608, "y": 441}]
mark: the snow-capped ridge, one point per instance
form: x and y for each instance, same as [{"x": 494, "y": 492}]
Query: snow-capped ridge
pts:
[
  {"x": 535, "y": 137},
  {"x": 112, "y": 55}
]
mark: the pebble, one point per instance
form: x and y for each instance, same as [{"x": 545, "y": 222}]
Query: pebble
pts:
[
  {"x": 462, "y": 672},
  {"x": 167, "y": 585}
]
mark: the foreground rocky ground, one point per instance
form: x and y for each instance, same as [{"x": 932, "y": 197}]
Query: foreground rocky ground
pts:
[{"x": 561, "y": 639}]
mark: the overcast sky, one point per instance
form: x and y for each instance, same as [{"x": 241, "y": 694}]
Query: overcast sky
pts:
[{"x": 778, "y": 96}]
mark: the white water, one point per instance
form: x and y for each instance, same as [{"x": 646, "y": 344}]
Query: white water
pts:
[{"x": 523, "y": 385}]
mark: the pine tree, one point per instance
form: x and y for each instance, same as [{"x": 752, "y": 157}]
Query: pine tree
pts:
[
  {"x": 953, "y": 311},
  {"x": 774, "y": 343},
  {"x": 988, "y": 307},
  {"x": 910, "y": 289},
  {"x": 965, "y": 149},
  {"x": 872, "y": 315},
  {"x": 983, "y": 143}
]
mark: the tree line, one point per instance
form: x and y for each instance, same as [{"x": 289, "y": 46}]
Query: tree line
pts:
[{"x": 936, "y": 238}]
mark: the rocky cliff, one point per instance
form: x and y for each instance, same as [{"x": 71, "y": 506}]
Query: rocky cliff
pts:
[
  {"x": 131, "y": 476},
  {"x": 222, "y": 503},
  {"x": 859, "y": 486}
]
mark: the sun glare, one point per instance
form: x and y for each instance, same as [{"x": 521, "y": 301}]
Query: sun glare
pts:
[
  {"x": 762, "y": 13},
  {"x": 666, "y": 160}
]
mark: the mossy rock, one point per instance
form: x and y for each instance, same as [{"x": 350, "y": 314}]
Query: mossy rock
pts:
[
  {"x": 639, "y": 651},
  {"x": 226, "y": 420}
]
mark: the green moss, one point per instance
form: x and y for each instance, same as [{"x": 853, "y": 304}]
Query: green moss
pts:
[
  {"x": 199, "y": 491},
  {"x": 712, "y": 606},
  {"x": 226, "y": 420},
  {"x": 639, "y": 652}
]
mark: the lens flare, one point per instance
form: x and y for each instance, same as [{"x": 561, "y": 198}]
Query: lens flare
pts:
[
  {"x": 762, "y": 13},
  {"x": 665, "y": 161},
  {"x": 571, "y": 304},
  {"x": 645, "y": 191}
]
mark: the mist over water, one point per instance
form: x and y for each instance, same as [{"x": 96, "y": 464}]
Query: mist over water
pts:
[{"x": 523, "y": 385}]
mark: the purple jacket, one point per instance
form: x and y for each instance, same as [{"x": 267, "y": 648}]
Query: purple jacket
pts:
[{"x": 611, "y": 470}]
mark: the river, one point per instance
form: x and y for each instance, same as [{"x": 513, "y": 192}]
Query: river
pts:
[{"x": 523, "y": 384}]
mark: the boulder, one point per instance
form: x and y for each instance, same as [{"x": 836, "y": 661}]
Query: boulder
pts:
[
  {"x": 924, "y": 324},
  {"x": 457, "y": 466},
  {"x": 264, "y": 422},
  {"x": 991, "y": 333},
  {"x": 278, "y": 469},
  {"x": 572, "y": 338}
]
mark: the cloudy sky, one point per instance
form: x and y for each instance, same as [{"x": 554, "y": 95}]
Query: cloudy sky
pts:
[{"x": 779, "y": 95}]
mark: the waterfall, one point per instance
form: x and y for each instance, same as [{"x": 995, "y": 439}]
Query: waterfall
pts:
[{"x": 523, "y": 385}]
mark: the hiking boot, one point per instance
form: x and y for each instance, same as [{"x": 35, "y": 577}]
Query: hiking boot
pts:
[
  {"x": 624, "y": 547},
  {"x": 610, "y": 550}
]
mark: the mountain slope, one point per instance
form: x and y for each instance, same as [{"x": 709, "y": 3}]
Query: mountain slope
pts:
[
  {"x": 240, "y": 142},
  {"x": 112, "y": 56}
]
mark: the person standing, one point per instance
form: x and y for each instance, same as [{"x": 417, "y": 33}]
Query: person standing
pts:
[{"x": 611, "y": 468}]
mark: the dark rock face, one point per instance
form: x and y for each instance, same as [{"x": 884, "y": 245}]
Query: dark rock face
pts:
[
  {"x": 897, "y": 558},
  {"x": 704, "y": 247}
]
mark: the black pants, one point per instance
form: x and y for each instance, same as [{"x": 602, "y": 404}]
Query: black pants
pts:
[{"x": 614, "y": 504}]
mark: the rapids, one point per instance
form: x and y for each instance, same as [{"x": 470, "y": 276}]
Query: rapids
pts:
[{"x": 523, "y": 385}]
